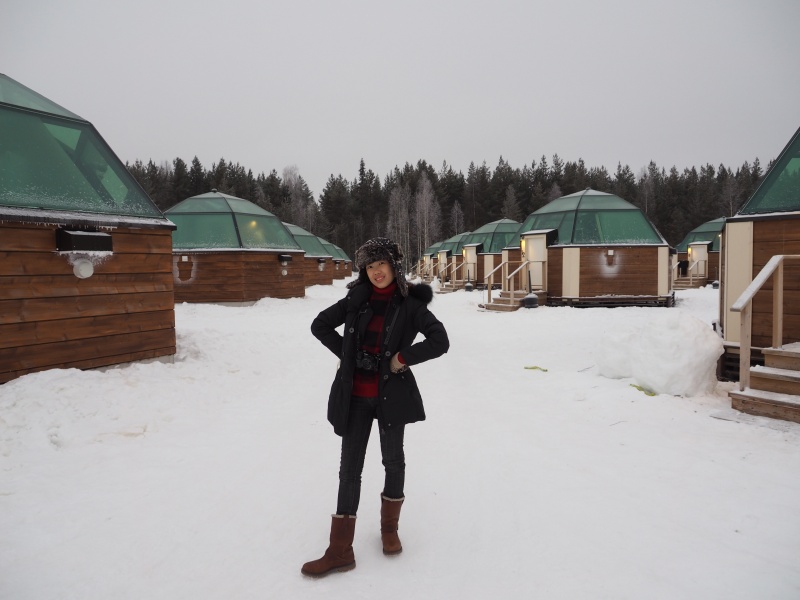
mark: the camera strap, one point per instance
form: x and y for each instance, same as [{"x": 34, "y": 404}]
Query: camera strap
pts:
[
  {"x": 391, "y": 325},
  {"x": 385, "y": 340}
]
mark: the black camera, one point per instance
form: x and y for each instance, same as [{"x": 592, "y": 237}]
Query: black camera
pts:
[{"x": 367, "y": 361}]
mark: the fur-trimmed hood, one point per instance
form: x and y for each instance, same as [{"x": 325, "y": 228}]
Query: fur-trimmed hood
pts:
[{"x": 421, "y": 291}]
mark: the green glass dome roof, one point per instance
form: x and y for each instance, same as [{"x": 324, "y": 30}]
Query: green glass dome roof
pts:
[
  {"x": 53, "y": 160},
  {"x": 780, "y": 189},
  {"x": 334, "y": 250},
  {"x": 216, "y": 220},
  {"x": 307, "y": 241},
  {"x": 495, "y": 235},
  {"x": 594, "y": 218},
  {"x": 432, "y": 249},
  {"x": 707, "y": 232},
  {"x": 454, "y": 244}
]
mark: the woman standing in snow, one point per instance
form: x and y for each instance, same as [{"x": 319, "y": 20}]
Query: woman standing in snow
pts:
[{"x": 382, "y": 314}]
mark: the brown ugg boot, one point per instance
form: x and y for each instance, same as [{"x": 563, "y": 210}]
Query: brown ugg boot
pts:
[
  {"x": 339, "y": 555},
  {"x": 390, "y": 515}
]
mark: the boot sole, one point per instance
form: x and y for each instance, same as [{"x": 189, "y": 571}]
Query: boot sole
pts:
[
  {"x": 392, "y": 552},
  {"x": 341, "y": 569}
]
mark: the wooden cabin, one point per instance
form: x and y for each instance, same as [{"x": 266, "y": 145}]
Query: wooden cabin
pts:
[
  {"x": 482, "y": 249},
  {"x": 698, "y": 256},
  {"x": 760, "y": 293},
  {"x": 427, "y": 267},
  {"x": 450, "y": 263},
  {"x": 318, "y": 261},
  {"x": 85, "y": 275},
  {"x": 230, "y": 251},
  {"x": 342, "y": 265},
  {"x": 587, "y": 249}
]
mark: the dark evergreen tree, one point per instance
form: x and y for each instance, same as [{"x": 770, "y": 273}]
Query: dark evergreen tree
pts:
[
  {"x": 449, "y": 188},
  {"x": 181, "y": 182},
  {"x": 197, "y": 179},
  {"x": 625, "y": 183},
  {"x": 511, "y": 208},
  {"x": 525, "y": 189},
  {"x": 600, "y": 180},
  {"x": 217, "y": 177},
  {"x": 335, "y": 203},
  {"x": 274, "y": 194},
  {"x": 477, "y": 195},
  {"x": 503, "y": 177}
]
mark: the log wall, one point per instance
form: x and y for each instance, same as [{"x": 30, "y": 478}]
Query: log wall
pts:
[
  {"x": 313, "y": 276},
  {"x": 49, "y": 318},
  {"x": 632, "y": 271},
  {"x": 338, "y": 269},
  {"x": 236, "y": 275},
  {"x": 555, "y": 271},
  {"x": 514, "y": 261},
  {"x": 771, "y": 237}
]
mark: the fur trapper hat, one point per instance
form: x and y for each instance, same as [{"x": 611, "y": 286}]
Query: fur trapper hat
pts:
[{"x": 376, "y": 249}]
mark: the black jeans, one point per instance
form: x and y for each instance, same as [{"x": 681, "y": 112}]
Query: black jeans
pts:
[{"x": 354, "y": 448}]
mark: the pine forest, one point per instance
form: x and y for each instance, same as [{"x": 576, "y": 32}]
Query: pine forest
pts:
[{"x": 419, "y": 205}]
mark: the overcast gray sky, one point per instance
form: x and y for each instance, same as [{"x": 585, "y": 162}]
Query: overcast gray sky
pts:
[{"x": 321, "y": 84}]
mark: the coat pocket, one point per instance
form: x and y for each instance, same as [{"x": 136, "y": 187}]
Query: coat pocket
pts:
[{"x": 401, "y": 401}]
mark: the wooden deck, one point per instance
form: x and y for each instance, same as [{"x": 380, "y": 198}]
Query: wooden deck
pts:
[{"x": 612, "y": 301}]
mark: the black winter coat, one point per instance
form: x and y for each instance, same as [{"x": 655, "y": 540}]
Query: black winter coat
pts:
[{"x": 399, "y": 400}]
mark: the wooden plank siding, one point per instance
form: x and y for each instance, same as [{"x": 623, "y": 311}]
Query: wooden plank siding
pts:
[
  {"x": 480, "y": 269},
  {"x": 312, "y": 273},
  {"x": 49, "y": 318},
  {"x": 772, "y": 237},
  {"x": 555, "y": 272},
  {"x": 632, "y": 271},
  {"x": 338, "y": 270},
  {"x": 714, "y": 266},
  {"x": 236, "y": 276},
  {"x": 514, "y": 261}
]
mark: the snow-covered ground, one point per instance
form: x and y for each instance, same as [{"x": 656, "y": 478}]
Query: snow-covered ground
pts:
[{"x": 541, "y": 472}]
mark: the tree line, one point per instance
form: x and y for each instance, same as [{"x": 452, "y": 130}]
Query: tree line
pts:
[{"x": 419, "y": 205}]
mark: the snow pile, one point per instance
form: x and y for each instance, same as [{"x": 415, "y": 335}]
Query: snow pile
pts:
[{"x": 670, "y": 353}]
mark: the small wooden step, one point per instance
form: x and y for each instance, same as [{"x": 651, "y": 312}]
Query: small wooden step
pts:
[
  {"x": 501, "y": 307},
  {"x": 763, "y": 403},
  {"x": 771, "y": 379},
  {"x": 684, "y": 283},
  {"x": 785, "y": 357}
]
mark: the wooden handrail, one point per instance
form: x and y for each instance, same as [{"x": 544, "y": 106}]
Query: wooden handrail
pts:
[
  {"x": 526, "y": 263},
  {"x": 454, "y": 269},
  {"x": 744, "y": 305},
  {"x": 510, "y": 278},
  {"x": 691, "y": 269},
  {"x": 489, "y": 284}
]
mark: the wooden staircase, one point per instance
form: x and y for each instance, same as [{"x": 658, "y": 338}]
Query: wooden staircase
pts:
[
  {"x": 689, "y": 283},
  {"x": 506, "y": 302},
  {"x": 774, "y": 388},
  {"x": 450, "y": 286}
]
